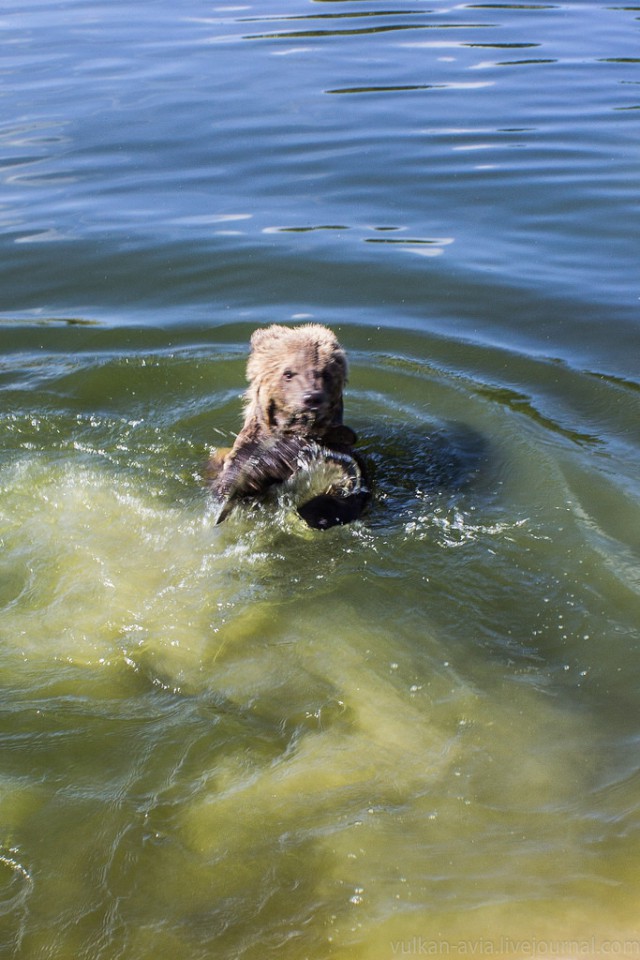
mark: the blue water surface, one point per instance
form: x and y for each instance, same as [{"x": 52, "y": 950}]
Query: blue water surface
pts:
[{"x": 438, "y": 166}]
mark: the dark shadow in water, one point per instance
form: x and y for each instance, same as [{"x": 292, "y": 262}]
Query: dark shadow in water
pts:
[
  {"x": 409, "y": 465},
  {"x": 320, "y": 226},
  {"x": 513, "y": 6},
  {"x": 351, "y": 14},
  {"x": 44, "y": 321},
  {"x": 360, "y": 31},
  {"x": 403, "y": 88},
  {"x": 523, "y": 404}
]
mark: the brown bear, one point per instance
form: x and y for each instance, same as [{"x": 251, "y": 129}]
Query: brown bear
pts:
[{"x": 293, "y": 421}]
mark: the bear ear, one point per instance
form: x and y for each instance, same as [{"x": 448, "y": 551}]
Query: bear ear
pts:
[
  {"x": 258, "y": 337},
  {"x": 262, "y": 345}
]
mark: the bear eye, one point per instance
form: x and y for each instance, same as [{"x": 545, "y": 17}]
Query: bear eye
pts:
[{"x": 289, "y": 374}]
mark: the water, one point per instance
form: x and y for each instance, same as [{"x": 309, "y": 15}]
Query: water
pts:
[{"x": 414, "y": 735}]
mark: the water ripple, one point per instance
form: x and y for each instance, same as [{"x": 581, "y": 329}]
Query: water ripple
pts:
[{"x": 402, "y": 88}]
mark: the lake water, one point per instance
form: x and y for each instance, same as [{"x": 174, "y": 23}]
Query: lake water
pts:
[{"x": 417, "y": 734}]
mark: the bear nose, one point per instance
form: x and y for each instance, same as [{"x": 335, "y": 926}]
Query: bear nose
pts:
[{"x": 313, "y": 399}]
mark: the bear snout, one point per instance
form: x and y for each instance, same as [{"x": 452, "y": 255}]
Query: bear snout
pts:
[{"x": 314, "y": 399}]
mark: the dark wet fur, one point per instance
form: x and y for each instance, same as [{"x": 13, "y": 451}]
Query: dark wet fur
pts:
[
  {"x": 259, "y": 464},
  {"x": 326, "y": 511}
]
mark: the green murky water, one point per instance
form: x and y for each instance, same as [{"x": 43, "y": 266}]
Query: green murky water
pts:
[{"x": 254, "y": 739}]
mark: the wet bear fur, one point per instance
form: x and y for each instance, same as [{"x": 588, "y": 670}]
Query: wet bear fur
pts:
[{"x": 293, "y": 418}]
